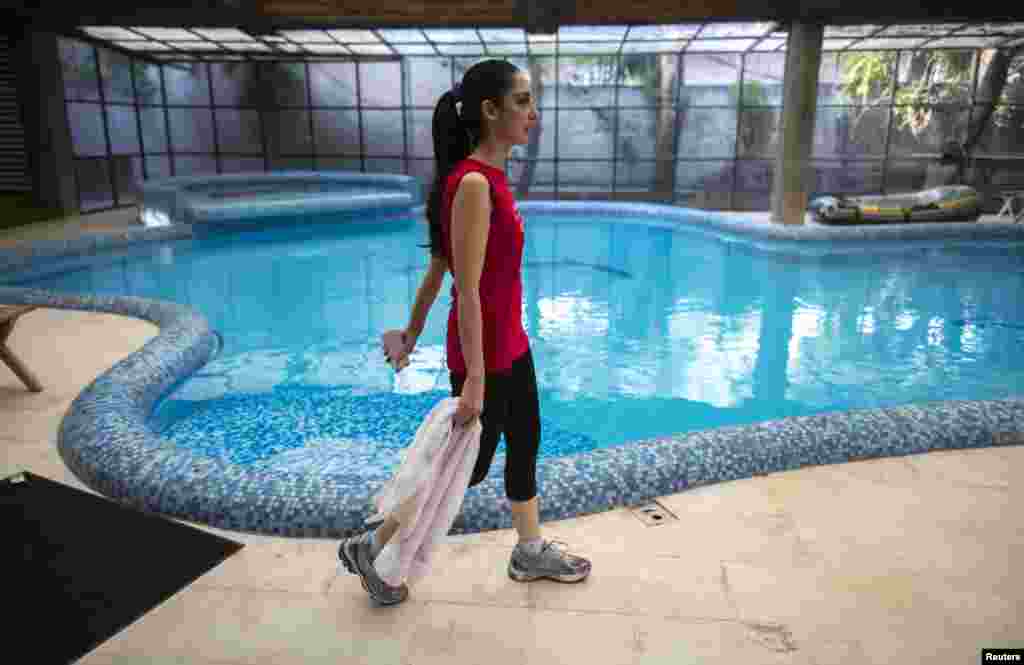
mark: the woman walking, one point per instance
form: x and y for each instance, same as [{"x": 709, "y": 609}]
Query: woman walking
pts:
[{"x": 476, "y": 233}]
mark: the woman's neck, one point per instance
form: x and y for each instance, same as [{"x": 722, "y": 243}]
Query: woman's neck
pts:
[{"x": 492, "y": 155}]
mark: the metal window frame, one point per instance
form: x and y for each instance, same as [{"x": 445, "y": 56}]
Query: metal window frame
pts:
[{"x": 406, "y": 108}]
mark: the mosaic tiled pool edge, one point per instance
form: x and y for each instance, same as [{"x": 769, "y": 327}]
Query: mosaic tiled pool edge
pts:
[{"x": 106, "y": 442}]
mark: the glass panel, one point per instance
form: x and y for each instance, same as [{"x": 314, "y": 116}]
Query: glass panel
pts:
[
  {"x": 414, "y": 49},
  {"x": 154, "y": 130},
  {"x": 829, "y": 79},
  {"x": 110, "y": 33},
  {"x": 846, "y": 177},
  {"x": 333, "y": 83},
  {"x": 378, "y": 165},
  {"x": 587, "y": 82},
  {"x": 369, "y": 49},
  {"x": 286, "y": 83},
  {"x": 717, "y": 30},
  {"x": 709, "y": 176},
  {"x": 147, "y": 83},
  {"x": 866, "y": 78},
  {"x": 291, "y": 163},
  {"x": 850, "y": 131},
  {"x": 835, "y": 44},
  {"x": 707, "y": 132},
  {"x": 349, "y": 164},
  {"x": 905, "y": 176},
  {"x": 194, "y": 165},
  {"x": 762, "y": 79},
  {"x": 759, "y": 132},
  {"x": 124, "y": 130},
  {"x": 381, "y": 83},
  {"x": 424, "y": 170},
  {"x": 239, "y": 131},
  {"x": 223, "y": 34},
  {"x": 231, "y": 80},
  {"x": 639, "y": 175},
  {"x": 360, "y": 36},
  {"x": 883, "y": 44},
  {"x": 128, "y": 172},
  {"x": 1013, "y": 91},
  {"x": 429, "y": 78},
  {"x": 753, "y": 201},
  {"x": 581, "y": 48},
  {"x": 923, "y": 130},
  {"x": 507, "y": 49},
  {"x": 720, "y": 45},
  {"x": 591, "y": 33},
  {"x": 191, "y": 130},
  {"x": 770, "y": 45},
  {"x": 327, "y": 49},
  {"x": 678, "y": 31},
  {"x": 336, "y": 132},
  {"x": 589, "y": 174},
  {"x": 542, "y": 76},
  {"x": 935, "y": 77},
  {"x": 500, "y": 35},
  {"x": 94, "y": 188},
  {"x": 117, "y": 76},
  {"x": 78, "y": 64},
  {"x": 241, "y": 165},
  {"x": 382, "y": 133},
  {"x": 708, "y": 79},
  {"x": 754, "y": 175},
  {"x": 452, "y": 36},
  {"x": 918, "y": 29},
  {"x": 187, "y": 83},
  {"x": 586, "y": 133},
  {"x": 973, "y": 42},
  {"x": 1004, "y": 132},
  {"x": 167, "y": 33},
  {"x": 637, "y": 133},
  {"x": 421, "y": 136},
  {"x": 157, "y": 167},
  {"x": 850, "y": 30},
  {"x": 306, "y": 36},
  {"x": 403, "y": 35},
  {"x": 653, "y": 47},
  {"x": 87, "y": 137},
  {"x": 476, "y": 50},
  {"x": 288, "y": 132}
]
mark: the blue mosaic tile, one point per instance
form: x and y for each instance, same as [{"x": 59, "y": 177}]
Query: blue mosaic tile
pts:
[{"x": 321, "y": 481}]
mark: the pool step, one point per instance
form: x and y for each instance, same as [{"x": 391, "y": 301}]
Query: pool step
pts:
[{"x": 653, "y": 514}]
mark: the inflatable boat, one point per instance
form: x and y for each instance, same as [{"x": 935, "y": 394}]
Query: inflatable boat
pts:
[{"x": 953, "y": 203}]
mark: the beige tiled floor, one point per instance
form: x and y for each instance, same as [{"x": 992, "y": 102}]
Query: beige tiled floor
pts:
[{"x": 908, "y": 560}]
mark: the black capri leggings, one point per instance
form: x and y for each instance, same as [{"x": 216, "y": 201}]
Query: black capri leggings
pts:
[{"x": 510, "y": 406}]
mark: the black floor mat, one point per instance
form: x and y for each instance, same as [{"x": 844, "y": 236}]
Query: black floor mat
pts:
[{"x": 78, "y": 568}]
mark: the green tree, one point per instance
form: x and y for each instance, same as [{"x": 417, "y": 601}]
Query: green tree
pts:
[{"x": 935, "y": 78}]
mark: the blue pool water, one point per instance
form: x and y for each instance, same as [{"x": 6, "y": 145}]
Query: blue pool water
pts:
[{"x": 637, "y": 331}]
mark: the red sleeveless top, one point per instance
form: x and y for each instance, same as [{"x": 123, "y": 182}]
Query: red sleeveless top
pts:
[{"x": 501, "y": 286}]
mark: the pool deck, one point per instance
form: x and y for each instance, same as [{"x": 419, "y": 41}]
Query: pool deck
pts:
[{"x": 908, "y": 559}]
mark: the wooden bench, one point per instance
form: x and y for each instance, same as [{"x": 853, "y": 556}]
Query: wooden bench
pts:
[{"x": 8, "y": 316}]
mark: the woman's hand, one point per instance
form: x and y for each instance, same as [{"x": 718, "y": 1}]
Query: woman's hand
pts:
[
  {"x": 471, "y": 401},
  {"x": 398, "y": 344}
]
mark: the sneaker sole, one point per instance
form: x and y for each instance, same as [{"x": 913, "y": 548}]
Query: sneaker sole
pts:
[
  {"x": 349, "y": 566},
  {"x": 521, "y": 576}
]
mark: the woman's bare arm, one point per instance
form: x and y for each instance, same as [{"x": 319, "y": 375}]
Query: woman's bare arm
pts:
[{"x": 426, "y": 295}]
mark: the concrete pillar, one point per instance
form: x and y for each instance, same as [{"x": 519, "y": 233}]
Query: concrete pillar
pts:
[
  {"x": 799, "y": 103},
  {"x": 40, "y": 84}
]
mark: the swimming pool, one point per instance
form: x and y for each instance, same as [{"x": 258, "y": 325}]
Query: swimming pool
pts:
[{"x": 723, "y": 355}]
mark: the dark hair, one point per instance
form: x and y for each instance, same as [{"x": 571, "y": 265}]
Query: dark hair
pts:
[{"x": 457, "y": 131}]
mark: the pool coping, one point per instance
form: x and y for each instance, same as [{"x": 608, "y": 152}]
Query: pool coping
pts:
[{"x": 106, "y": 442}]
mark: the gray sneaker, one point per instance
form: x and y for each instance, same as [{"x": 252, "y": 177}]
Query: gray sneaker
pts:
[
  {"x": 354, "y": 554},
  {"x": 550, "y": 563}
]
